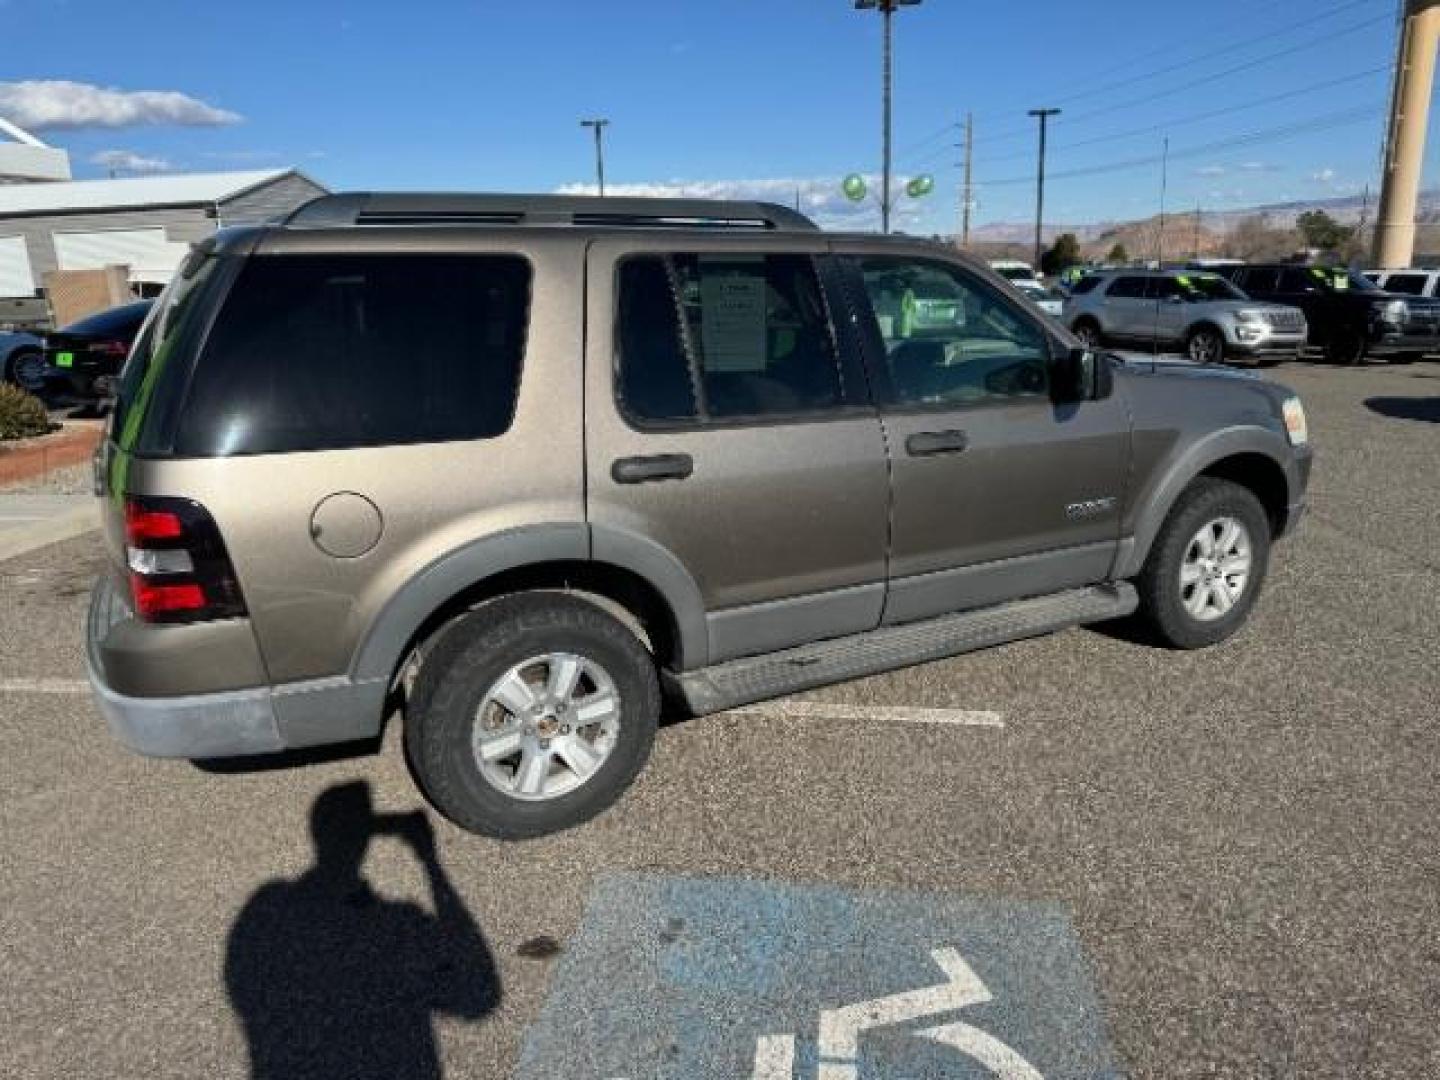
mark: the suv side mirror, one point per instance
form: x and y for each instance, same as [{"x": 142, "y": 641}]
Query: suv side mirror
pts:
[{"x": 1081, "y": 374}]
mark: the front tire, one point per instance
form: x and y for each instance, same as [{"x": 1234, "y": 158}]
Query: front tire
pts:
[
  {"x": 1205, "y": 345},
  {"x": 531, "y": 715},
  {"x": 1206, "y": 566},
  {"x": 1089, "y": 334},
  {"x": 1347, "y": 347}
]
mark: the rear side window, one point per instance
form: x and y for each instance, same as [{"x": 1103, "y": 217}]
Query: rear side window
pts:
[
  {"x": 323, "y": 352},
  {"x": 722, "y": 337},
  {"x": 1127, "y": 288},
  {"x": 1084, "y": 285}
]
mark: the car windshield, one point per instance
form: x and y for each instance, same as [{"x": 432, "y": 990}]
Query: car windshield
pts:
[{"x": 1207, "y": 287}]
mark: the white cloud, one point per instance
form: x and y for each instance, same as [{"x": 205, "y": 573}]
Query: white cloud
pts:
[
  {"x": 130, "y": 162},
  {"x": 1258, "y": 166},
  {"x": 1324, "y": 176},
  {"x": 52, "y": 104},
  {"x": 820, "y": 197},
  {"x": 1211, "y": 170}
]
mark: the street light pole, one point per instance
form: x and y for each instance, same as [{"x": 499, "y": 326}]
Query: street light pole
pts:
[
  {"x": 887, "y": 11},
  {"x": 599, "y": 126},
  {"x": 1044, "y": 116}
]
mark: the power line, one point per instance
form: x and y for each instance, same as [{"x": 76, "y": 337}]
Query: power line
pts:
[
  {"x": 1210, "y": 114},
  {"x": 1318, "y": 123},
  {"x": 1200, "y": 81}
]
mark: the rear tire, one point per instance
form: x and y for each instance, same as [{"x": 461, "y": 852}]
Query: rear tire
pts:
[
  {"x": 1191, "y": 597},
  {"x": 486, "y": 702}
]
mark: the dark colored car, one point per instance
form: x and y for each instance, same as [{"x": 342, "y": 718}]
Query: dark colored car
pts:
[
  {"x": 94, "y": 347},
  {"x": 1350, "y": 317}
]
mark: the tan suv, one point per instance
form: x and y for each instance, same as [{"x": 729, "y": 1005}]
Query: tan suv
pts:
[{"x": 516, "y": 464}]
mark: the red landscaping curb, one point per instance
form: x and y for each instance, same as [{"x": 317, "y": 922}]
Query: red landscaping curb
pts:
[{"x": 25, "y": 459}]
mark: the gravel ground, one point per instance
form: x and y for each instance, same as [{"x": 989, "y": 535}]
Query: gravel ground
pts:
[
  {"x": 67, "y": 480},
  {"x": 1242, "y": 838}
]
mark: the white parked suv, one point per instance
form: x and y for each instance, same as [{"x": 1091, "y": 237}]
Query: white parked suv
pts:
[
  {"x": 1409, "y": 282},
  {"x": 1202, "y": 313}
]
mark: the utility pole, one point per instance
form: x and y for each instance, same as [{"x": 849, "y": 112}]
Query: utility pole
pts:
[
  {"x": 967, "y": 196},
  {"x": 1043, "y": 115},
  {"x": 599, "y": 125},
  {"x": 887, "y": 11},
  {"x": 1164, "y": 180},
  {"x": 1405, "y": 139}
]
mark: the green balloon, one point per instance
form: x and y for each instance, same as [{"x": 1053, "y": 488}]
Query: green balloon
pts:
[
  {"x": 920, "y": 185},
  {"x": 854, "y": 187}
]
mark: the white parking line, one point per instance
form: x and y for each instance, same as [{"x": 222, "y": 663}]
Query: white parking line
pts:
[
  {"x": 885, "y": 714},
  {"x": 44, "y": 686}
]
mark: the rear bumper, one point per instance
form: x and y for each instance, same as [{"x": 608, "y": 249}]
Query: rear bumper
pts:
[{"x": 225, "y": 723}]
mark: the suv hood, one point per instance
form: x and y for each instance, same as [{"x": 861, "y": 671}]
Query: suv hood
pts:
[{"x": 1183, "y": 369}]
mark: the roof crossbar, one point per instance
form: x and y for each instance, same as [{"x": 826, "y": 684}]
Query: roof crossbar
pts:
[{"x": 396, "y": 208}]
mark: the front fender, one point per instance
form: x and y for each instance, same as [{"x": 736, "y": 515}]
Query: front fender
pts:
[{"x": 1154, "y": 500}]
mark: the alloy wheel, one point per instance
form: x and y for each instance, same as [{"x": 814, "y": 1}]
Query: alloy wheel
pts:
[
  {"x": 546, "y": 726},
  {"x": 1216, "y": 569}
]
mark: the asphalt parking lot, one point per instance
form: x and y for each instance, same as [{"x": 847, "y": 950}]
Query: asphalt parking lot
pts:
[{"x": 1111, "y": 860}]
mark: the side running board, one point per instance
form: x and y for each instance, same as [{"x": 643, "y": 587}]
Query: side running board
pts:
[{"x": 756, "y": 678}]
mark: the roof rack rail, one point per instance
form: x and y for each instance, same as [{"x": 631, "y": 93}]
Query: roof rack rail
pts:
[{"x": 396, "y": 208}]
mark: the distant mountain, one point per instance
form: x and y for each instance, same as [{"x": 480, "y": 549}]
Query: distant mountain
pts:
[{"x": 1345, "y": 208}]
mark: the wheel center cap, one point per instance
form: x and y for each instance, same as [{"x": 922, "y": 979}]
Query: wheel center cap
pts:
[{"x": 546, "y": 726}]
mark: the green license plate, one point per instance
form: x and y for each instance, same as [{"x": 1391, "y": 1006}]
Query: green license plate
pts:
[{"x": 64, "y": 359}]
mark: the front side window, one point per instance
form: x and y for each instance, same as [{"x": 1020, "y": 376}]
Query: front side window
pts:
[
  {"x": 323, "y": 352},
  {"x": 723, "y": 336},
  {"x": 949, "y": 338},
  {"x": 1410, "y": 284}
]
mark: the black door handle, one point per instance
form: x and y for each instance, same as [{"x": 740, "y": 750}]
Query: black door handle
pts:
[
  {"x": 929, "y": 443},
  {"x": 640, "y": 470}
]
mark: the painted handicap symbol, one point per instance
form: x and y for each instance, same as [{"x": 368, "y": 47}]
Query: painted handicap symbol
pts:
[{"x": 840, "y": 1029}]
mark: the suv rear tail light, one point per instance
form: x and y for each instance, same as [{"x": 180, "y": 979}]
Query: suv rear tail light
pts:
[{"x": 179, "y": 569}]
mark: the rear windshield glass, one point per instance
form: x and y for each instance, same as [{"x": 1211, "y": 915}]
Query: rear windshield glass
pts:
[
  {"x": 123, "y": 320},
  {"x": 319, "y": 352}
]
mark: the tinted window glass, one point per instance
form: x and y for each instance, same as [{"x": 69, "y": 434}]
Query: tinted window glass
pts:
[
  {"x": 1298, "y": 279},
  {"x": 317, "y": 352},
  {"x": 1084, "y": 285},
  {"x": 1410, "y": 284},
  {"x": 1127, "y": 287},
  {"x": 174, "y": 318},
  {"x": 1259, "y": 279},
  {"x": 121, "y": 321},
  {"x": 1162, "y": 288},
  {"x": 949, "y": 338},
  {"x": 724, "y": 336}
]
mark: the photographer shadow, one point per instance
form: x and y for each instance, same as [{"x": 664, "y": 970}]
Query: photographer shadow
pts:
[{"x": 329, "y": 979}]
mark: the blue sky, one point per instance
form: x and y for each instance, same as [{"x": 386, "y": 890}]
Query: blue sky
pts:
[{"x": 735, "y": 96}]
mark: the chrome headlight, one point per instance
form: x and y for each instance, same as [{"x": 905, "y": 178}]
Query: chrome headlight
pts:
[
  {"x": 1395, "y": 311},
  {"x": 1250, "y": 317},
  {"x": 1295, "y": 425}
]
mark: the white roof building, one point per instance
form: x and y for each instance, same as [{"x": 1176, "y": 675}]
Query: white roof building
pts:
[{"x": 144, "y": 222}]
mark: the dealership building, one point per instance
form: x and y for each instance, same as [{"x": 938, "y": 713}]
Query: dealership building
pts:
[{"x": 146, "y": 223}]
